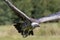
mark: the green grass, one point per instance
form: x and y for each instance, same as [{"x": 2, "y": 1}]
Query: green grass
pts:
[{"x": 48, "y": 31}]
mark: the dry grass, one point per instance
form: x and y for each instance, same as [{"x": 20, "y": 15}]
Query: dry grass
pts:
[{"x": 48, "y": 31}]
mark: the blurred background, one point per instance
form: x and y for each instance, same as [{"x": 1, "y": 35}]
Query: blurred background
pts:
[{"x": 35, "y": 9}]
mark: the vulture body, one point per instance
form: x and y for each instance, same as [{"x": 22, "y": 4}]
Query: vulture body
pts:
[{"x": 30, "y": 22}]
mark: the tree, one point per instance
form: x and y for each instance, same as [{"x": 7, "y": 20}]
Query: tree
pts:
[{"x": 33, "y": 8}]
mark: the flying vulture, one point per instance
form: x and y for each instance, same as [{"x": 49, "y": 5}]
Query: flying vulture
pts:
[{"x": 30, "y": 22}]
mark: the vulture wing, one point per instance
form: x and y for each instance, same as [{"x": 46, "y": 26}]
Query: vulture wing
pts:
[
  {"x": 18, "y": 12},
  {"x": 51, "y": 17}
]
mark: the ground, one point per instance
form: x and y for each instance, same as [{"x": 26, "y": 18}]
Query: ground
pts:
[{"x": 48, "y": 31}]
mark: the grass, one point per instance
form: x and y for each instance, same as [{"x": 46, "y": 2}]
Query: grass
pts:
[{"x": 48, "y": 31}]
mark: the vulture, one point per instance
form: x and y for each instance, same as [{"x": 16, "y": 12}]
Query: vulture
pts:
[{"x": 30, "y": 23}]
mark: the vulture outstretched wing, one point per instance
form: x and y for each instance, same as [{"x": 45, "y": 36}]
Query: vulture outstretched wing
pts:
[
  {"x": 18, "y": 12},
  {"x": 51, "y": 17}
]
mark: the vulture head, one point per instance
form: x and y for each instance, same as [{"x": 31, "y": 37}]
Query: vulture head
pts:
[{"x": 35, "y": 24}]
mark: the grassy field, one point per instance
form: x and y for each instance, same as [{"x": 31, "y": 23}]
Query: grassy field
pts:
[{"x": 48, "y": 31}]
